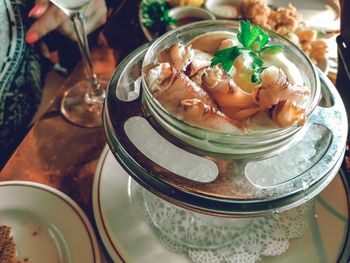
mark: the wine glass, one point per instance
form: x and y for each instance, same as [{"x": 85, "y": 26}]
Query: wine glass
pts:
[{"x": 82, "y": 103}]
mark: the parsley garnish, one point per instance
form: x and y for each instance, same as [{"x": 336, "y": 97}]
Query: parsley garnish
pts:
[
  {"x": 253, "y": 41},
  {"x": 155, "y": 15},
  {"x": 225, "y": 57}
]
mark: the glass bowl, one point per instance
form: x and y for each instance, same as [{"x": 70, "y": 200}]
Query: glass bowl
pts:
[
  {"x": 206, "y": 182},
  {"x": 260, "y": 142}
]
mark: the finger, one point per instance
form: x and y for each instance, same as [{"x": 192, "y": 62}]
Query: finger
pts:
[
  {"x": 48, "y": 22},
  {"x": 67, "y": 30},
  {"x": 96, "y": 15},
  {"x": 39, "y": 9},
  {"x": 94, "y": 22},
  {"x": 44, "y": 50}
]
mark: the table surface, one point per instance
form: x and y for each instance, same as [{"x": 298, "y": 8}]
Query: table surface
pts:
[{"x": 60, "y": 154}]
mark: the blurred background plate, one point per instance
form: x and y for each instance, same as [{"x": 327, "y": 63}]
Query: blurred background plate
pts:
[
  {"x": 322, "y": 15},
  {"x": 318, "y": 14}
]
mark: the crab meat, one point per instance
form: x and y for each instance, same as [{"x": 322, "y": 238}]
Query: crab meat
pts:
[
  {"x": 227, "y": 43},
  {"x": 200, "y": 60},
  {"x": 204, "y": 116},
  {"x": 286, "y": 114},
  {"x": 224, "y": 90},
  {"x": 275, "y": 87},
  {"x": 178, "y": 56},
  {"x": 157, "y": 74},
  {"x": 177, "y": 87}
]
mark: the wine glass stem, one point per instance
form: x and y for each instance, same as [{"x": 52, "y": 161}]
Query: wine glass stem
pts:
[{"x": 95, "y": 92}]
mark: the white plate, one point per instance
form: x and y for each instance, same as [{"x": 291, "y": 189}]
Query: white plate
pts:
[
  {"x": 128, "y": 238},
  {"x": 318, "y": 14},
  {"x": 47, "y": 226}
]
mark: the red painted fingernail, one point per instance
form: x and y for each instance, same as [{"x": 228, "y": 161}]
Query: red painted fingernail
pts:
[
  {"x": 37, "y": 10},
  {"x": 32, "y": 38}
]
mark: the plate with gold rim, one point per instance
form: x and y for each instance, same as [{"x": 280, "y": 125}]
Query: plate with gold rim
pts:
[{"x": 46, "y": 225}]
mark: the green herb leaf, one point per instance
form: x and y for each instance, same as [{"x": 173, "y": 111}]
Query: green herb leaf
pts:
[
  {"x": 254, "y": 41},
  {"x": 155, "y": 15},
  {"x": 256, "y": 78},
  {"x": 272, "y": 50},
  {"x": 263, "y": 38},
  {"x": 257, "y": 62},
  {"x": 246, "y": 35},
  {"x": 253, "y": 38},
  {"x": 225, "y": 57}
]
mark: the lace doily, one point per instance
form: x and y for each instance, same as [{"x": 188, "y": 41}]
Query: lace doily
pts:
[{"x": 209, "y": 239}]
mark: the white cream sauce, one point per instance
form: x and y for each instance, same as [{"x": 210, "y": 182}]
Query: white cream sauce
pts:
[{"x": 289, "y": 68}]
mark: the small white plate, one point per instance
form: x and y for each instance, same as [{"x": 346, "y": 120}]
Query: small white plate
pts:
[
  {"x": 47, "y": 226},
  {"x": 129, "y": 238},
  {"x": 317, "y": 14}
]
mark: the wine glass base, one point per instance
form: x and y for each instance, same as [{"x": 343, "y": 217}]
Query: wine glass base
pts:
[{"x": 77, "y": 110}]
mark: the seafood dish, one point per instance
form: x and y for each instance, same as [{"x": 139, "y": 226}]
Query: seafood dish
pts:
[{"x": 229, "y": 83}]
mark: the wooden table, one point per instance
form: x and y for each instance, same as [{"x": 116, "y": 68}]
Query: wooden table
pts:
[{"x": 60, "y": 154}]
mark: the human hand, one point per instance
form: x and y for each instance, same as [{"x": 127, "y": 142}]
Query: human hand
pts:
[{"x": 50, "y": 17}]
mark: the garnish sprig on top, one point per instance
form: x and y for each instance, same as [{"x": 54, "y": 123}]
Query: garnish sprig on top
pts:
[{"x": 253, "y": 41}]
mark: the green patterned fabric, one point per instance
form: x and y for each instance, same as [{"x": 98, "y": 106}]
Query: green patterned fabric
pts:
[{"x": 20, "y": 77}]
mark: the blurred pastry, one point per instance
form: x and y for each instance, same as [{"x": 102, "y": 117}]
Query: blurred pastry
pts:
[
  {"x": 7, "y": 246},
  {"x": 195, "y": 3}
]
